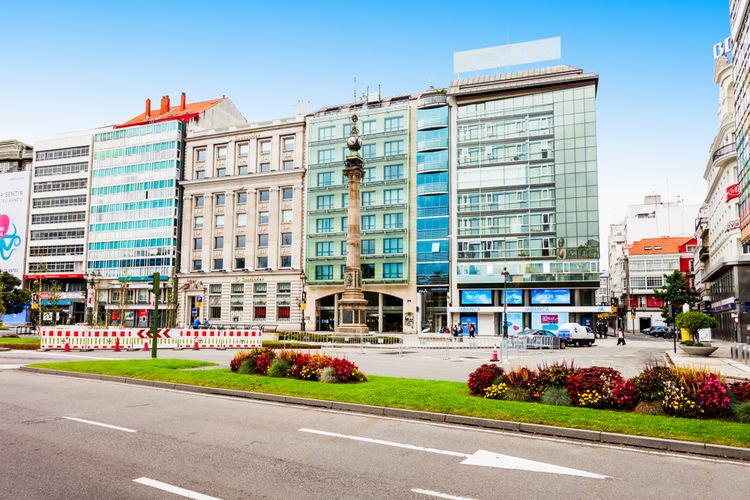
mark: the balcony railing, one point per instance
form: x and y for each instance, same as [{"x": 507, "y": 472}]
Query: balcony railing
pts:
[
  {"x": 432, "y": 187},
  {"x": 429, "y": 101},
  {"x": 440, "y": 142},
  {"x": 724, "y": 150},
  {"x": 432, "y": 122},
  {"x": 431, "y": 166}
]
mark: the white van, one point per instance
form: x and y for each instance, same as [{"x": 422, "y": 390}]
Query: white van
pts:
[{"x": 575, "y": 334}]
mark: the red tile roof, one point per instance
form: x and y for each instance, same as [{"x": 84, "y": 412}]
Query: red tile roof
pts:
[
  {"x": 658, "y": 246},
  {"x": 173, "y": 113}
]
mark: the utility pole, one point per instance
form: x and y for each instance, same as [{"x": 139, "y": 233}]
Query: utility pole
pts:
[
  {"x": 155, "y": 318},
  {"x": 627, "y": 293}
]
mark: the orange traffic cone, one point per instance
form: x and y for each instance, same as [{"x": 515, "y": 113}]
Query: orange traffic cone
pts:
[
  {"x": 494, "y": 355},
  {"x": 145, "y": 346},
  {"x": 196, "y": 346},
  {"x": 67, "y": 347},
  {"x": 117, "y": 344}
]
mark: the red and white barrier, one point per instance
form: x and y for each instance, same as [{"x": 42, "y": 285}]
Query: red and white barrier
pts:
[{"x": 113, "y": 339}]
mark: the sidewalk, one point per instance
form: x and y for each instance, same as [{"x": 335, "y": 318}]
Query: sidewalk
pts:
[{"x": 720, "y": 361}]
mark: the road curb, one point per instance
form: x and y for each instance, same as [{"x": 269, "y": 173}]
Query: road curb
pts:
[{"x": 651, "y": 443}]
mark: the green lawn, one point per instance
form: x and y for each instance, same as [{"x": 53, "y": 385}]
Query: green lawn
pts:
[
  {"x": 20, "y": 342},
  {"x": 424, "y": 395}
]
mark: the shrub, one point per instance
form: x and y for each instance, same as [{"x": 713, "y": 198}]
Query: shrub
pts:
[
  {"x": 593, "y": 387},
  {"x": 554, "y": 375},
  {"x": 624, "y": 395},
  {"x": 517, "y": 394},
  {"x": 237, "y": 360},
  {"x": 522, "y": 378},
  {"x": 343, "y": 369},
  {"x": 712, "y": 395},
  {"x": 483, "y": 377},
  {"x": 649, "y": 408},
  {"x": 328, "y": 375},
  {"x": 300, "y": 360},
  {"x": 649, "y": 384},
  {"x": 556, "y": 396},
  {"x": 313, "y": 365},
  {"x": 696, "y": 388},
  {"x": 741, "y": 391},
  {"x": 677, "y": 401},
  {"x": 742, "y": 412},
  {"x": 279, "y": 368},
  {"x": 288, "y": 355},
  {"x": 259, "y": 359},
  {"x": 247, "y": 366},
  {"x": 263, "y": 361},
  {"x": 495, "y": 391}
]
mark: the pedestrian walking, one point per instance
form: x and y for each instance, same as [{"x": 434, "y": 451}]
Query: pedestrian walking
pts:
[
  {"x": 472, "y": 330},
  {"x": 621, "y": 337}
]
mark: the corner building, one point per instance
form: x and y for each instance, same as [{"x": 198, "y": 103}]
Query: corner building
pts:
[
  {"x": 241, "y": 251},
  {"x": 387, "y": 195},
  {"x": 524, "y": 180}
]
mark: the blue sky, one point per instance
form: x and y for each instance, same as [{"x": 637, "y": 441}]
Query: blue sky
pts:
[{"x": 85, "y": 64}]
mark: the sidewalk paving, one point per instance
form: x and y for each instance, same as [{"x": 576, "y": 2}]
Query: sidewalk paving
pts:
[{"x": 720, "y": 361}]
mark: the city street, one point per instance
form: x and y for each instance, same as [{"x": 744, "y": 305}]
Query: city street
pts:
[{"x": 65, "y": 438}]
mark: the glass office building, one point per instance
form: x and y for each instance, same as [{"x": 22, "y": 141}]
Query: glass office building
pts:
[{"x": 526, "y": 194}]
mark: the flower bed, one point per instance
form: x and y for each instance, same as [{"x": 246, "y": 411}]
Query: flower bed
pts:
[
  {"x": 681, "y": 392},
  {"x": 294, "y": 364}
]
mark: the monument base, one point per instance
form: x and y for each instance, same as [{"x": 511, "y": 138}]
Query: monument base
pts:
[{"x": 352, "y": 314}]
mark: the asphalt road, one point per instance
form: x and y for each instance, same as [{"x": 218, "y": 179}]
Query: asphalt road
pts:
[{"x": 227, "y": 448}]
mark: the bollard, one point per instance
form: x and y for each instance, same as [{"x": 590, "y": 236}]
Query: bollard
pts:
[
  {"x": 67, "y": 347},
  {"x": 145, "y": 346},
  {"x": 196, "y": 347}
]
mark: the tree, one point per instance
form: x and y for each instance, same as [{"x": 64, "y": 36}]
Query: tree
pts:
[
  {"x": 13, "y": 298},
  {"x": 693, "y": 321},
  {"x": 676, "y": 291}
]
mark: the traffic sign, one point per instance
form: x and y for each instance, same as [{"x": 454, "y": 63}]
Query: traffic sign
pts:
[
  {"x": 199, "y": 299},
  {"x": 194, "y": 311}
]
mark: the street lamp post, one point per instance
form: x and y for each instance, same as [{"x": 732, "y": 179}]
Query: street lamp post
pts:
[
  {"x": 302, "y": 302},
  {"x": 505, "y": 274}
]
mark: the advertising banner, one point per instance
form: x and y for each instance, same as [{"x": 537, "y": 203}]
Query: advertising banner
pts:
[
  {"x": 548, "y": 321},
  {"x": 515, "y": 297},
  {"x": 550, "y": 296},
  {"x": 476, "y": 297},
  {"x": 733, "y": 191},
  {"x": 515, "y": 323},
  {"x": 14, "y": 206}
]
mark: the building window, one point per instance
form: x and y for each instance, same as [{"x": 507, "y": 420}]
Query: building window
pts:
[
  {"x": 241, "y": 198},
  {"x": 346, "y": 130},
  {"x": 237, "y": 301},
  {"x": 393, "y": 245},
  {"x": 197, "y": 243},
  {"x": 262, "y": 240},
  {"x": 265, "y": 167},
  {"x": 262, "y": 263},
  {"x": 394, "y": 172},
  {"x": 239, "y": 263},
  {"x": 199, "y": 201},
  {"x": 393, "y": 221},
  {"x": 344, "y": 200},
  {"x": 220, "y": 200},
  {"x": 393, "y": 270},
  {"x": 221, "y": 152},
  {"x": 368, "y": 247},
  {"x": 198, "y": 222},
  {"x": 287, "y": 193},
  {"x": 219, "y": 219},
  {"x": 369, "y": 174},
  {"x": 287, "y": 216},
  {"x": 369, "y": 127},
  {"x": 240, "y": 243},
  {"x": 262, "y": 218},
  {"x": 324, "y": 225},
  {"x": 345, "y": 224},
  {"x": 324, "y": 249},
  {"x": 200, "y": 174},
  {"x": 286, "y": 261},
  {"x": 214, "y": 301},
  {"x": 259, "y": 301},
  {"x": 325, "y": 179},
  {"x": 323, "y": 272},
  {"x": 221, "y": 172},
  {"x": 265, "y": 147},
  {"x": 263, "y": 196},
  {"x": 393, "y": 148},
  {"x": 343, "y": 247},
  {"x": 286, "y": 239},
  {"x": 324, "y": 202},
  {"x": 242, "y": 169},
  {"x": 368, "y": 271},
  {"x": 287, "y": 143},
  {"x": 394, "y": 124},
  {"x": 326, "y": 133},
  {"x": 325, "y": 156},
  {"x": 393, "y": 196},
  {"x": 243, "y": 150},
  {"x": 283, "y": 301},
  {"x": 368, "y": 222},
  {"x": 368, "y": 198},
  {"x": 218, "y": 263},
  {"x": 200, "y": 155},
  {"x": 197, "y": 264},
  {"x": 241, "y": 220},
  {"x": 369, "y": 150}
]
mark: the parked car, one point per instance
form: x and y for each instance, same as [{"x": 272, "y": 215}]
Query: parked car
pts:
[
  {"x": 575, "y": 335},
  {"x": 534, "y": 333},
  {"x": 659, "y": 331},
  {"x": 647, "y": 331}
]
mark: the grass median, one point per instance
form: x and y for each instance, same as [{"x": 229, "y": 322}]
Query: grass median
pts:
[
  {"x": 27, "y": 343},
  {"x": 422, "y": 395}
]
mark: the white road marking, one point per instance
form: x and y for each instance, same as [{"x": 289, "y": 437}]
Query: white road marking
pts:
[
  {"x": 100, "y": 424},
  {"x": 10, "y": 367},
  {"x": 437, "y": 494},
  {"x": 71, "y": 355},
  {"x": 173, "y": 489},
  {"x": 480, "y": 457}
]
